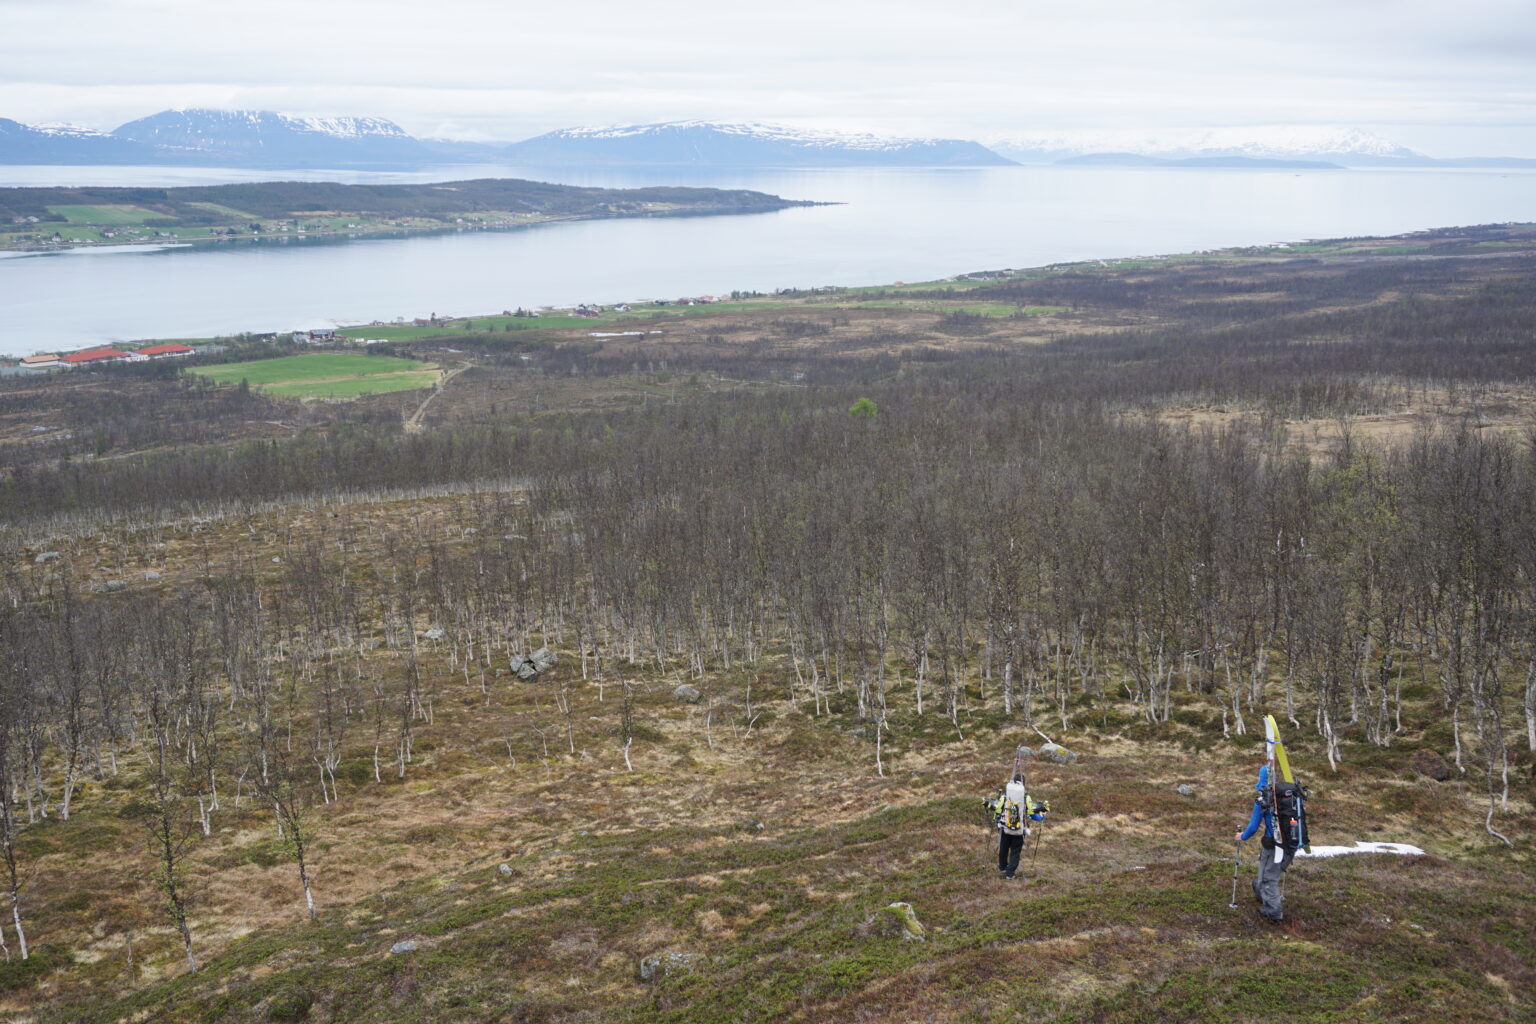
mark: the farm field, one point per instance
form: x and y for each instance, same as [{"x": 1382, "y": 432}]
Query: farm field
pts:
[{"x": 326, "y": 374}]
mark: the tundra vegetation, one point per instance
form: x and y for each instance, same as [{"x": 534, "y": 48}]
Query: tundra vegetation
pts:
[{"x": 263, "y": 758}]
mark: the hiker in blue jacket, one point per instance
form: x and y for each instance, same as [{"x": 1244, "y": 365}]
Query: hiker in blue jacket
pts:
[{"x": 1273, "y": 857}]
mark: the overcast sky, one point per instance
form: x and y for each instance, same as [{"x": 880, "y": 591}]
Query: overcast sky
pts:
[{"x": 1445, "y": 78}]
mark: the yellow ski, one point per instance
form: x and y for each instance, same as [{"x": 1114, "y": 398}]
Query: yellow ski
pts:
[{"x": 1277, "y": 748}]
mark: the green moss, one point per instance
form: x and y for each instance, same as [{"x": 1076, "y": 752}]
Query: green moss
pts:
[{"x": 17, "y": 973}]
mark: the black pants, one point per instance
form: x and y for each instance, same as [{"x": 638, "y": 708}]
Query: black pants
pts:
[{"x": 1008, "y": 850}]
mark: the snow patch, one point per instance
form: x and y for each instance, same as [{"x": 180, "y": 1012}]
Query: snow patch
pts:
[
  {"x": 1362, "y": 847},
  {"x": 69, "y": 131},
  {"x": 344, "y": 127}
]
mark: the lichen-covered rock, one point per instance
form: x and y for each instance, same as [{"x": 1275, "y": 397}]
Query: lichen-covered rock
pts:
[
  {"x": 1431, "y": 765},
  {"x": 405, "y": 946},
  {"x": 900, "y": 920},
  {"x": 46, "y": 556},
  {"x": 1025, "y": 751},
  {"x": 435, "y": 633},
  {"x": 110, "y": 587},
  {"x": 660, "y": 965},
  {"x": 1185, "y": 789},
  {"x": 506, "y": 871},
  {"x": 687, "y": 694},
  {"x": 1057, "y": 754}
]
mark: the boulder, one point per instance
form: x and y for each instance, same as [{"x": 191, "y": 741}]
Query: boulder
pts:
[
  {"x": 687, "y": 694},
  {"x": 110, "y": 587},
  {"x": 435, "y": 633},
  {"x": 1057, "y": 754},
  {"x": 1024, "y": 751},
  {"x": 151, "y": 575},
  {"x": 900, "y": 920},
  {"x": 506, "y": 871},
  {"x": 660, "y": 965},
  {"x": 1185, "y": 789},
  {"x": 46, "y": 556},
  {"x": 405, "y": 946},
  {"x": 1431, "y": 765}
]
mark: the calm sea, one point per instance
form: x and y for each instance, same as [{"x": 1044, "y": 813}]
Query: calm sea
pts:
[{"x": 893, "y": 225}]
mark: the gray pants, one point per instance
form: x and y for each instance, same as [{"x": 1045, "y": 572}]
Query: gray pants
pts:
[{"x": 1272, "y": 864}]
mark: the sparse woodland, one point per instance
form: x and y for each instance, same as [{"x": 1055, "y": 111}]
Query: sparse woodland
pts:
[{"x": 932, "y": 538}]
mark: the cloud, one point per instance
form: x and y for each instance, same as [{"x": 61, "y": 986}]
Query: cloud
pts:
[{"x": 507, "y": 71}]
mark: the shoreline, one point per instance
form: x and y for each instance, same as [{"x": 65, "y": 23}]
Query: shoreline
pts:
[{"x": 387, "y": 231}]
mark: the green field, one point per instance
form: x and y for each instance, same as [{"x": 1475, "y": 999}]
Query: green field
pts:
[
  {"x": 111, "y": 216},
  {"x": 326, "y": 375}
]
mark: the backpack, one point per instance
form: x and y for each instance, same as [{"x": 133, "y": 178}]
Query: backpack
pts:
[
  {"x": 1290, "y": 811},
  {"x": 1010, "y": 816},
  {"x": 1006, "y": 814}
]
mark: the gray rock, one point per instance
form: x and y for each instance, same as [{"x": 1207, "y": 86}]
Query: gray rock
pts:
[
  {"x": 435, "y": 633},
  {"x": 1057, "y": 754},
  {"x": 110, "y": 587},
  {"x": 687, "y": 694},
  {"x": 527, "y": 667},
  {"x": 1024, "y": 751},
  {"x": 660, "y": 965},
  {"x": 46, "y": 556},
  {"x": 151, "y": 575},
  {"x": 405, "y": 946},
  {"x": 899, "y": 919},
  {"x": 506, "y": 871},
  {"x": 1185, "y": 789},
  {"x": 470, "y": 531}
]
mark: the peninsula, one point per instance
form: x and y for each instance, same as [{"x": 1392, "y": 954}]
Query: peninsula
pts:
[{"x": 36, "y": 218}]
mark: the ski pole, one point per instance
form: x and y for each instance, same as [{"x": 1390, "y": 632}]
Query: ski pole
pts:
[
  {"x": 1039, "y": 835},
  {"x": 1237, "y": 860}
]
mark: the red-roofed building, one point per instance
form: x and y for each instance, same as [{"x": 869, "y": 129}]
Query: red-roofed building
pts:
[
  {"x": 167, "y": 351},
  {"x": 93, "y": 355}
]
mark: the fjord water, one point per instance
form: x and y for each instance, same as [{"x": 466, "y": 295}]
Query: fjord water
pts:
[{"x": 893, "y": 224}]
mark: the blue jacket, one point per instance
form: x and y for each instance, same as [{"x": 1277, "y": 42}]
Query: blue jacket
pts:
[{"x": 1260, "y": 811}]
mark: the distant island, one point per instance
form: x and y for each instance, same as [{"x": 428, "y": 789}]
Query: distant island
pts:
[
  {"x": 744, "y": 144},
  {"x": 33, "y": 218},
  {"x": 1207, "y": 162}
]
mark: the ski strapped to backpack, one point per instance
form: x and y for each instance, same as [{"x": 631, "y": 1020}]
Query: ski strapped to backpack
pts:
[{"x": 1287, "y": 798}]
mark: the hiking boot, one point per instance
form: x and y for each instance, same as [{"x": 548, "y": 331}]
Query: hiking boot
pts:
[{"x": 1272, "y": 918}]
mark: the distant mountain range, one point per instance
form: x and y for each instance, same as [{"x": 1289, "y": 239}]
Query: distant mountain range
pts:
[
  {"x": 1137, "y": 160},
  {"x": 263, "y": 139},
  {"x": 1256, "y": 146},
  {"x": 745, "y": 144}
]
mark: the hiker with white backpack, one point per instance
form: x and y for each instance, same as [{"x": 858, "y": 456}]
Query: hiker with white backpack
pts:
[{"x": 1011, "y": 812}]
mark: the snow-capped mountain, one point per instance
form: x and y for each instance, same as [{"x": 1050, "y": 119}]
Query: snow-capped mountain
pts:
[
  {"x": 66, "y": 144},
  {"x": 1275, "y": 142},
  {"x": 740, "y": 144},
  {"x": 266, "y": 138}
]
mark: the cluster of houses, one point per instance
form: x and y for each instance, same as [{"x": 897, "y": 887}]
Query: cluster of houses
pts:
[{"x": 98, "y": 357}]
